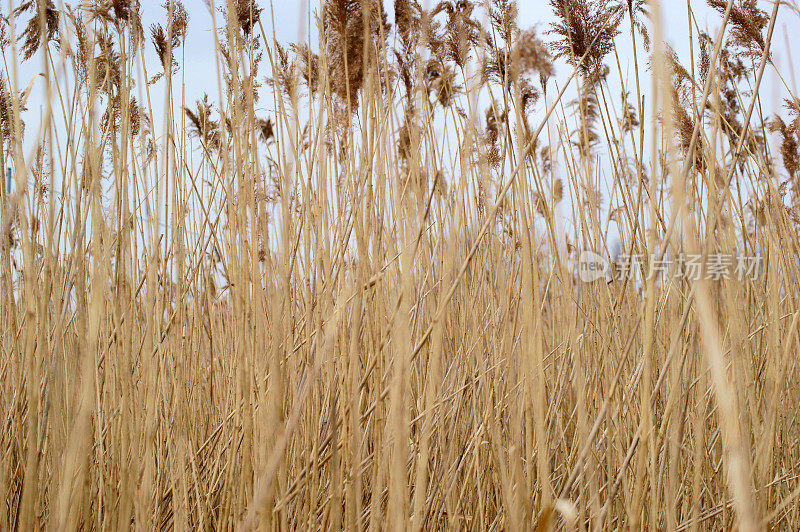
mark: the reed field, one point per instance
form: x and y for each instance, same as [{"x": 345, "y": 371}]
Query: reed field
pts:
[{"x": 428, "y": 266}]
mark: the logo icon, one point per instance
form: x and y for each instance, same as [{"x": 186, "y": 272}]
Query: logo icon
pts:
[{"x": 592, "y": 266}]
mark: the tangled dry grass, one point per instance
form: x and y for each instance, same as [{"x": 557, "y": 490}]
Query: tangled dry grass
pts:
[{"x": 361, "y": 310}]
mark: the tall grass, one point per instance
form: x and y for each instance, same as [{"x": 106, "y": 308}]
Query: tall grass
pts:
[{"x": 362, "y": 309}]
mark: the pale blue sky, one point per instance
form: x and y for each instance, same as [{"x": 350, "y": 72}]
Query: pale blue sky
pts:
[
  {"x": 290, "y": 25},
  {"x": 200, "y": 67},
  {"x": 200, "y": 58},
  {"x": 288, "y": 14}
]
